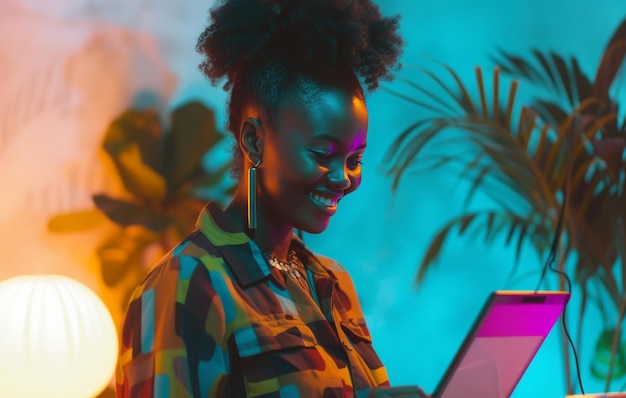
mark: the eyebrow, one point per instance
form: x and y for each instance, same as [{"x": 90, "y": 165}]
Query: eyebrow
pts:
[{"x": 336, "y": 141}]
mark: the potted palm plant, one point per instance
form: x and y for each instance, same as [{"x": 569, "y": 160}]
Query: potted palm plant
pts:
[{"x": 563, "y": 152}]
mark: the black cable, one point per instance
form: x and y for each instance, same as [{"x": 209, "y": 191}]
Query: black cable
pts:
[
  {"x": 569, "y": 338},
  {"x": 549, "y": 264}
]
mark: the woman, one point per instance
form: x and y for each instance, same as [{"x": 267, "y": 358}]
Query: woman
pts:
[{"x": 242, "y": 307}]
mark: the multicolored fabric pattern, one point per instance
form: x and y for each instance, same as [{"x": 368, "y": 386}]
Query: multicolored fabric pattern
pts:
[{"x": 213, "y": 319}]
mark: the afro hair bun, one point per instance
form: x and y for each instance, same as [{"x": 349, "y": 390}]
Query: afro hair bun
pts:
[{"x": 352, "y": 33}]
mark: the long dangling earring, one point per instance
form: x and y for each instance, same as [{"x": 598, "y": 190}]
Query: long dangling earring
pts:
[{"x": 252, "y": 213}]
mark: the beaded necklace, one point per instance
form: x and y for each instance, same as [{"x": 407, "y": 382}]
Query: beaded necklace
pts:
[{"x": 293, "y": 267}]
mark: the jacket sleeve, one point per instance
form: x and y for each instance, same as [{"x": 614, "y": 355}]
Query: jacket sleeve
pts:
[{"x": 172, "y": 334}]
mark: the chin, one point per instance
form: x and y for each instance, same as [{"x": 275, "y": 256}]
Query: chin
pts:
[
  {"x": 313, "y": 231},
  {"x": 314, "y": 228}
]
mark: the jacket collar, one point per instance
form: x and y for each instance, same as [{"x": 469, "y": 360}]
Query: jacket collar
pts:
[{"x": 242, "y": 255}]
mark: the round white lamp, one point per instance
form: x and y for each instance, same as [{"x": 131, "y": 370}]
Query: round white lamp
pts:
[{"x": 57, "y": 339}]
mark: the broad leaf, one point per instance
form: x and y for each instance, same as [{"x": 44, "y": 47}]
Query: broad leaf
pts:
[
  {"x": 138, "y": 127},
  {"x": 140, "y": 179},
  {"x": 193, "y": 133},
  {"x": 610, "y": 356},
  {"x": 127, "y": 213},
  {"x": 77, "y": 221}
]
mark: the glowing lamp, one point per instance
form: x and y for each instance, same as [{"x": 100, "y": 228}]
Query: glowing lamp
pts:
[{"x": 57, "y": 339}]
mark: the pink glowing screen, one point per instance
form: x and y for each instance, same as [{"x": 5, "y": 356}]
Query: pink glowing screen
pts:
[{"x": 501, "y": 344}]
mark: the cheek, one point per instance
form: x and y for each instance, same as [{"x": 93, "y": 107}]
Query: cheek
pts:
[
  {"x": 291, "y": 172},
  {"x": 300, "y": 170},
  {"x": 355, "y": 182}
]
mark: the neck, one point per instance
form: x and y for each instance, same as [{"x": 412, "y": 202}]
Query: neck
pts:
[{"x": 269, "y": 236}]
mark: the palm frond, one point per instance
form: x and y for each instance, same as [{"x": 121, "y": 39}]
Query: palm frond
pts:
[
  {"x": 563, "y": 78},
  {"x": 611, "y": 62},
  {"x": 518, "y": 66},
  {"x": 583, "y": 84},
  {"x": 508, "y": 152},
  {"x": 492, "y": 222},
  {"x": 412, "y": 100},
  {"x": 546, "y": 157},
  {"x": 464, "y": 100},
  {"x": 430, "y": 96},
  {"x": 406, "y": 147}
]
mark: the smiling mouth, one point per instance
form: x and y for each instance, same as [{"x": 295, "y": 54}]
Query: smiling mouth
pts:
[{"x": 329, "y": 203}]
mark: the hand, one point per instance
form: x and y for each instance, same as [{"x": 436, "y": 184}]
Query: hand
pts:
[{"x": 398, "y": 392}]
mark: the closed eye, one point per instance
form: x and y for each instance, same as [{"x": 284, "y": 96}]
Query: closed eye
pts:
[
  {"x": 322, "y": 157},
  {"x": 354, "y": 162}
]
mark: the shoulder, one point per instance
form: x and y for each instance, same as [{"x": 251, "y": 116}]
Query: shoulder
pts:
[
  {"x": 331, "y": 264},
  {"x": 327, "y": 264},
  {"x": 340, "y": 274},
  {"x": 187, "y": 266}
]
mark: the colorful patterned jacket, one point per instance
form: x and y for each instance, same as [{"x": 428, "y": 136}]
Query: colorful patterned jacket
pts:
[{"x": 213, "y": 319}]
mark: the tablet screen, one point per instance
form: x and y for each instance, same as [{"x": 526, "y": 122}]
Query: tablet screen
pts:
[{"x": 501, "y": 344}]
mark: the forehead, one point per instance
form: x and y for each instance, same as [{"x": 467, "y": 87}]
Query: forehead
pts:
[{"x": 318, "y": 111}]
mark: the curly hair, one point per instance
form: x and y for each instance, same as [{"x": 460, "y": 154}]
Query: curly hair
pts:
[{"x": 268, "y": 51}]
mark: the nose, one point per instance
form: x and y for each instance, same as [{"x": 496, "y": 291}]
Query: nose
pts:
[{"x": 339, "y": 177}]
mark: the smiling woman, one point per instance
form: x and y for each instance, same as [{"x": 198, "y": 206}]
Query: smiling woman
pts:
[
  {"x": 311, "y": 159},
  {"x": 242, "y": 307}
]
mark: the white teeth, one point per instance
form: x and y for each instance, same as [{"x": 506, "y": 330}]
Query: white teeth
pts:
[{"x": 325, "y": 201}]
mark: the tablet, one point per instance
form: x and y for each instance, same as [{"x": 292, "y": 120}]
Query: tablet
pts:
[{"x": 501, "y": 343}]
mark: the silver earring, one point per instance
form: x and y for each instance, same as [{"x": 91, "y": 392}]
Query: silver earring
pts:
[{"x": 252, "y": 213}]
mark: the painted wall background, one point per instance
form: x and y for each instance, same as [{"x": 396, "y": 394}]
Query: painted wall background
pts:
[{"x": 68, "y": 67}]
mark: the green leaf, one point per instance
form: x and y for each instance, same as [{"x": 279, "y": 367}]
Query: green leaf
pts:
[
  {"x": 604, "y": 354},
  {"x": 126, "y": 213},
  {"x": 139, "y": 127},
  {"x": 140, "y": 180},
  {"x": 193, "y": 134},
  {"x": 77, "y": 221}
]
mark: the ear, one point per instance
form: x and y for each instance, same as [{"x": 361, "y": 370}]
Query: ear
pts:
[{"x": 251, "y": 136}]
